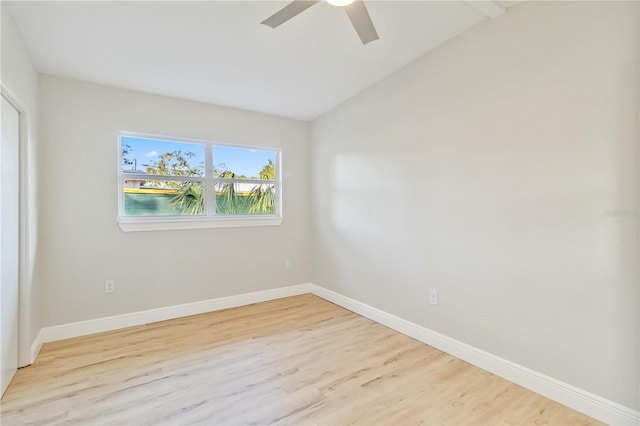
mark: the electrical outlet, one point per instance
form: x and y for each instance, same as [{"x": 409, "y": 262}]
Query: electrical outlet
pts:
[
  {"x": 287, "y": 264},
  {"x": 109, "y": 286},
  {"x": 433, "y": 297}
]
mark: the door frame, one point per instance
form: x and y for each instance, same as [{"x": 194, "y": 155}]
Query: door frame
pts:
[{"x": 24, "y": 261}]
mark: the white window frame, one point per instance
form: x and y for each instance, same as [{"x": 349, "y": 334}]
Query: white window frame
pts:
[{"x": 209, "y": 219}]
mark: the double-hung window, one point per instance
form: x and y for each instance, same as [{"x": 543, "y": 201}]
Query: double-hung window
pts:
[{"x": 171, "y": 183}]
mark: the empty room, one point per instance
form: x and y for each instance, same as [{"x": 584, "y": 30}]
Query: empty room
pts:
[{"x": 320, "y": 212}]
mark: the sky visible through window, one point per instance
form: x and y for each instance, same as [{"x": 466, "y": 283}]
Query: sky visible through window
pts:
[{"x": 241, "y": 161}]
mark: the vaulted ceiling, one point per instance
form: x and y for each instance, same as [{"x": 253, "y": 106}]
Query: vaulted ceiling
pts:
[{"x": 218, "y": 52}]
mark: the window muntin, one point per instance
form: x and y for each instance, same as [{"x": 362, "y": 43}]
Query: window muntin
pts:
[{"x": 162, "y": 178}]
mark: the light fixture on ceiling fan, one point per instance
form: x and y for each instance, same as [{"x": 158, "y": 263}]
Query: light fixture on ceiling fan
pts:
[{"x": 356, "y": 11}]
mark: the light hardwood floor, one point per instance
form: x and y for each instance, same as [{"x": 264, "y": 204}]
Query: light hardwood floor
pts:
[{"x": 299, "y": 360}]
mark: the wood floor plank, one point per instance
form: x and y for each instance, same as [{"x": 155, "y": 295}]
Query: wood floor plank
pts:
[{"x": 297, "y": 360}]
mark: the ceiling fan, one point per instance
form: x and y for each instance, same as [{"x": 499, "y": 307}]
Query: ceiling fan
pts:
[{"x": 356, "y": 11}]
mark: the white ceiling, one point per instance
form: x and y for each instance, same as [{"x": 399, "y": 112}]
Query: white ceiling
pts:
[{"x": 217, "y": 51}]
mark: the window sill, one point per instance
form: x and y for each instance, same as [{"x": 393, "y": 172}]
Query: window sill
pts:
[{"x": 146, "y": 224}]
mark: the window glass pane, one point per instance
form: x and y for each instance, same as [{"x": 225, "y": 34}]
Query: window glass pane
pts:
[
  {"x": 245, "y": 198},
  {"x": 244, "y": 163},
  {"x": 163, "y": 198},
  {"x": 158, "y": 157}
]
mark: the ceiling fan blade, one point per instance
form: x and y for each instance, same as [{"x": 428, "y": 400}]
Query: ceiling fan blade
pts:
[
  {"x": 359, "y": 16},
  {"x": 289, "y": 11}
]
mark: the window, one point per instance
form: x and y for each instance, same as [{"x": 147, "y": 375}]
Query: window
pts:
[{"x": 170, "y": 183}]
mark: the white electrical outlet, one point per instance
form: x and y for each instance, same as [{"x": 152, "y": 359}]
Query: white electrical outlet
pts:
[
  {"x": 109, "y": 286},
  {"x": 433, "y": 297},
  {"x": 287, "y": 264}
]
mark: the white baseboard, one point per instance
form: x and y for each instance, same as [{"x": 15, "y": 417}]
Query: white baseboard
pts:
[
  {"x": 98, "y": 325},
  {"x": 580, "y": 400},
  {"x": 36, "y": 345}
]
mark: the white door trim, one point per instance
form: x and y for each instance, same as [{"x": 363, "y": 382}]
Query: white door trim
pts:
[{"x": 24, "y": 308}]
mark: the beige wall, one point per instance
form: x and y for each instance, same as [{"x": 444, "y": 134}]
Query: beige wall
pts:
[
  {"x": 83, "y": 243},
  {"x": 20, "y": 79},
  {"x": 485, "y": 170}
]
